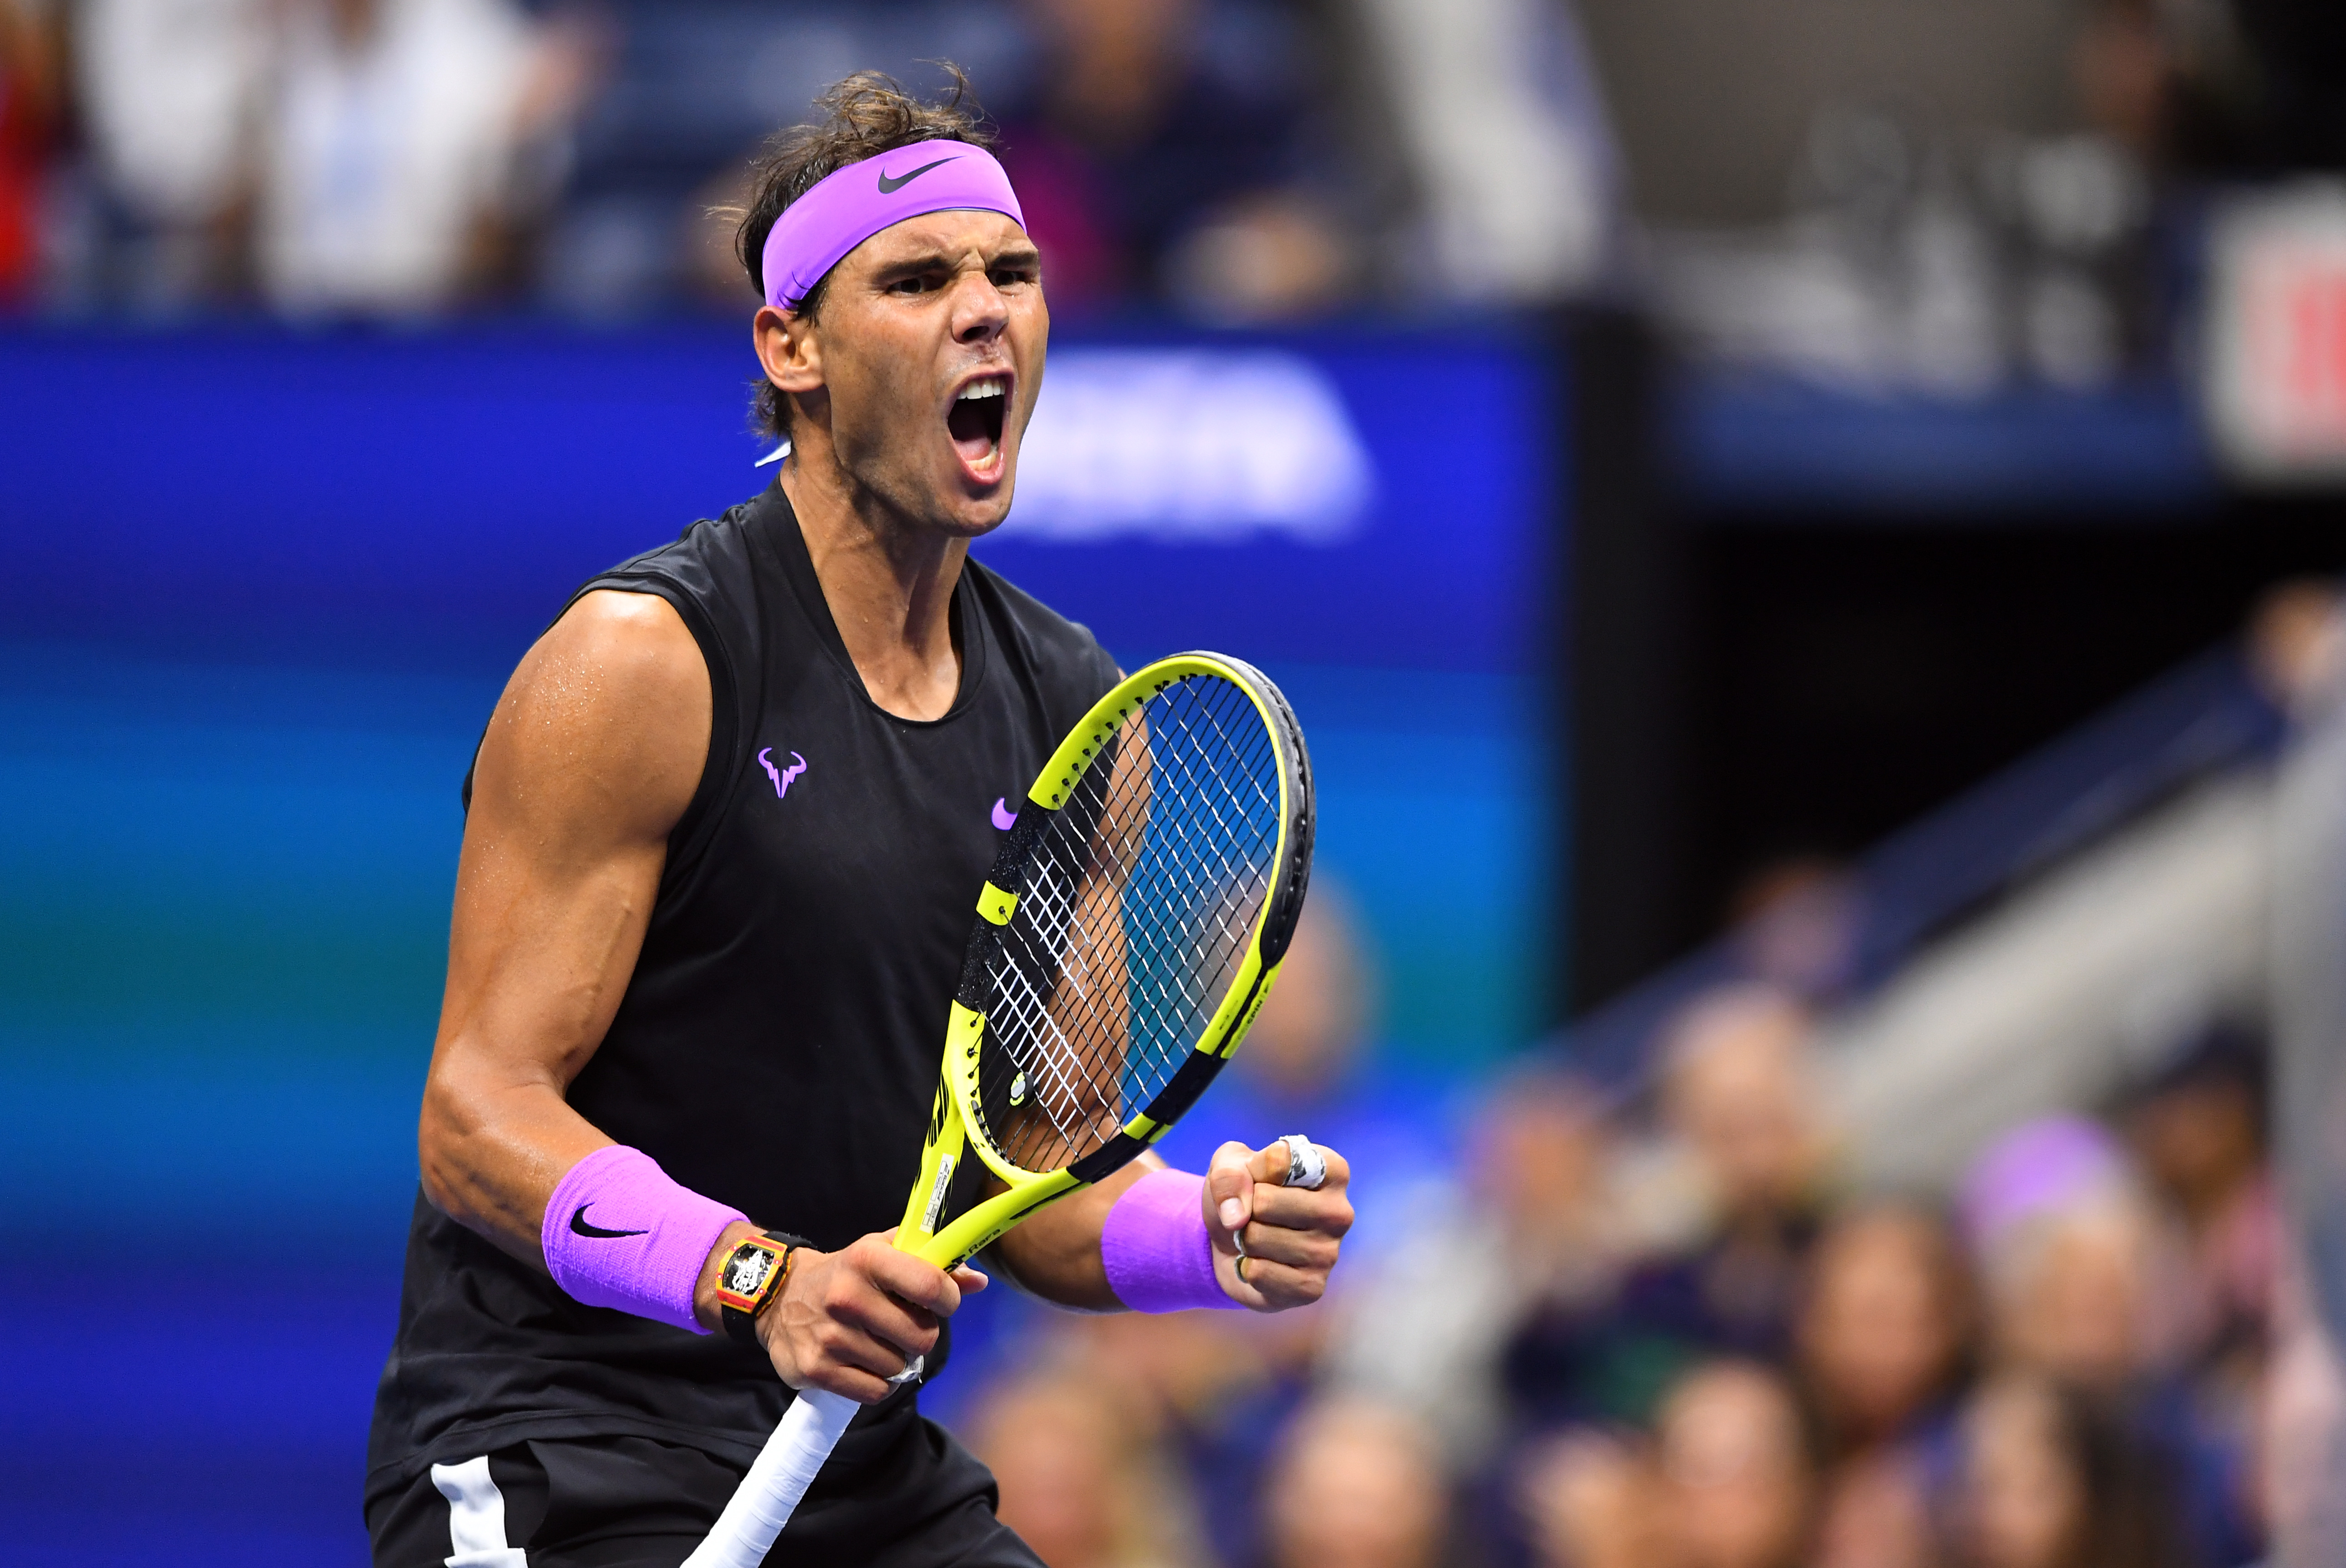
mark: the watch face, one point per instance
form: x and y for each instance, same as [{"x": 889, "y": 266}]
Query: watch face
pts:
[{"x": 746, "y": 1270}]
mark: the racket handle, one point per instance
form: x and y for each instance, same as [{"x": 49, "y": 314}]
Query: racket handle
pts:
[{"x": 770, "y": 1493}]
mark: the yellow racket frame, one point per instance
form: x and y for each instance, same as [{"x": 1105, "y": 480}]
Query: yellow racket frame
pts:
[{"x": 950, "y": 1137}]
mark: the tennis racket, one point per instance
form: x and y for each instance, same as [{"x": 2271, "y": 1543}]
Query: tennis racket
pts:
[{"x": 1129, "y": 931}]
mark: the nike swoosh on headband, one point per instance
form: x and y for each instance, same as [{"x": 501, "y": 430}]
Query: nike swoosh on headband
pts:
[
  {"x": 889, "y": 187},
  {"x": 578, "y": 1223}
]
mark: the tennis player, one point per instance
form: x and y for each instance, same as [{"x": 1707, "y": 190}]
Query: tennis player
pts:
[{"x": 724, "y": 836}]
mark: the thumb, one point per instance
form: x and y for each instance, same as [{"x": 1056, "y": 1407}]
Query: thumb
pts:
[{"x": 1229, "y": 1188}]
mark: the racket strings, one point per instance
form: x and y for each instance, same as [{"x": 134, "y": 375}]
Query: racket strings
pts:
[{"x": 1139, "y": 902}]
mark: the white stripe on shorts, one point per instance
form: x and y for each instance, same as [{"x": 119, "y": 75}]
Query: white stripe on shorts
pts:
[{"x": 476, "y": 1516}]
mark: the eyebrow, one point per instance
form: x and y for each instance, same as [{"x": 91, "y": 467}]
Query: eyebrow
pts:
[{"x": 1026, "y": 255}]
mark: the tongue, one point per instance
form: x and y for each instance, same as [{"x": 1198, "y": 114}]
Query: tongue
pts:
[{"x": 968, "y": 427}]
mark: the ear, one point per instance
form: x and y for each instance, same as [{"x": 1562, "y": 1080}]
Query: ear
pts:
[{"x": 790, "y": 349}]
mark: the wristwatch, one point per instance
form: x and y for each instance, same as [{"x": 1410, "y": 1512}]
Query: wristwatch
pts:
[{"x": 752, "y": 1280}]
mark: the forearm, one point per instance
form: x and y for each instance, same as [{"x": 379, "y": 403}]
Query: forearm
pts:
[
  {"x": 1056, "y": 1254},
  {"x": 494, "y": 1148}
]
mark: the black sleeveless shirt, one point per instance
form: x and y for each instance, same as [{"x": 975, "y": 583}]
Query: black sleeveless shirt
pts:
[{"x": 777, "y": 1047}]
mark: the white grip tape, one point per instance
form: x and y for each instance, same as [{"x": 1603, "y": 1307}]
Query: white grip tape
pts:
[
  {"x": 770, "y": 1493},
  {"x": 1306, "y": 1165}
]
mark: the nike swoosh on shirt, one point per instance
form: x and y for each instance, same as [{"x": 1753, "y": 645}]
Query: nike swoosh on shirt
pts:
[
  {"x": 889, "y": 187},
  {"x": 578, "y": 1223}
]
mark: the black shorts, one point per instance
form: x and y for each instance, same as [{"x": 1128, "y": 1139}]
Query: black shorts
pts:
[{"x": 634, "y": 1502}]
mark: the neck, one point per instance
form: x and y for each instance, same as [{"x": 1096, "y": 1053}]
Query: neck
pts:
[{"x": 889, "y": 583}]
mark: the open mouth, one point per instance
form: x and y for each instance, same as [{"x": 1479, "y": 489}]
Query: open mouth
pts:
[{"x": 975, "y": 422}]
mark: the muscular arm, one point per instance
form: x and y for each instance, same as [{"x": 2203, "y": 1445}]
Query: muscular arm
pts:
[{"x": 592, "y": 755}]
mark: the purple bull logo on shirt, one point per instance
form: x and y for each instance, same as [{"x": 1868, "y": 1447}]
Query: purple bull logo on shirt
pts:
[{"x": 782, "y": 778}]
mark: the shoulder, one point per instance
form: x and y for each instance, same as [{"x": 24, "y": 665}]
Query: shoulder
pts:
[
  {"x": 612, "y": 706},
  {"x": 615, "y": 657},
  {"x": 634, "y": 644},
  {"x": 1056, "y": 654}
]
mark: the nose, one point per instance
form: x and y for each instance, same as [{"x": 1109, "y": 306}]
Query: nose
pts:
[{"x": 980, "y": 312}]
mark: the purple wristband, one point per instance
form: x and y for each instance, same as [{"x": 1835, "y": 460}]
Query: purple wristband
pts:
[
  {"x": 1160, "y": 1255},
  {"x": 619, "y": 1233}
]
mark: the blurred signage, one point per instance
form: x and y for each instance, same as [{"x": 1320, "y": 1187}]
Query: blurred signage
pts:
[
  {"x": 443, "y": 491},
  {"x": 1196, "y": 444},
  {"x": 2276, "y": 369}
]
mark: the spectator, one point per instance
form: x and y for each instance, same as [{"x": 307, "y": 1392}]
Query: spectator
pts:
[
  {"x": 2084, "y": 1295},
  {"x": 2048, "y": 1483},
  {"x": 169, "y": 92},
  {"x": 1520, "y": 1260},
  {"x": 1590, "y": 1500},
  {"x": 1160, "y": 159},
  {"x": 29, "y": 93},
  {"x": 1726, "y": 1482},
  {"x": 1506, "y": 140},
  {"x": 1357, "y": 1484},
  {"x": 1876, "y": 1513},
  {"x": 1540, "y": 1168},
  {"x": 1080, "y": 1482},
  {"x": 2294, "y": 643},
  {"x": 1881, "y": 1333},
  {"x": 2065, "y": 1243},
  {"x": 1739, "y": 1097},
  {"x": 1735, "y": 1485},
  {"x": 2303, "y": 1413},
  {"x": 1797, "y": 923},
  {"x": 398, "y": 131},
  {"x": 2198, "y": 1133},
  {"x": 2304, "y": 1451},
  {"x": 1883, "y": 1326},
  {"x": 1218, "y": 1386}
]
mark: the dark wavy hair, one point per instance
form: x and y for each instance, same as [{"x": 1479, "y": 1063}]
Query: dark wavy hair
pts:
[{"x": 864, "y": 115}]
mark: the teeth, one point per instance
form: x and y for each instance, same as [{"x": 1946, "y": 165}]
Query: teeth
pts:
[{"x": 983, "y": 388}]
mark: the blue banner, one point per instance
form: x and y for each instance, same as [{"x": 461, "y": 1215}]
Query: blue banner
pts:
[{"x": 1348, "y": 499}]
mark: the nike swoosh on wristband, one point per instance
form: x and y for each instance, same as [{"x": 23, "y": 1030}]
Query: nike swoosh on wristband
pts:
[
  {"x": 889, "y": 187},
  {"x": 578, "y": 1223}
]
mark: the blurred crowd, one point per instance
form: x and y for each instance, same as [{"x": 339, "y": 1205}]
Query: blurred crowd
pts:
[
  {"x": 2031, "y": 212},
  {"x": 1847, "y": 196},
  {"x": 1233, "y": 160},
  {"x": 1685, "y": 1322},
  {"x": 1840, "y": 191}
]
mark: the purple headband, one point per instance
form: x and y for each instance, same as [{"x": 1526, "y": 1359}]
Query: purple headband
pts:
[{"x": 851, "y": 205}]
